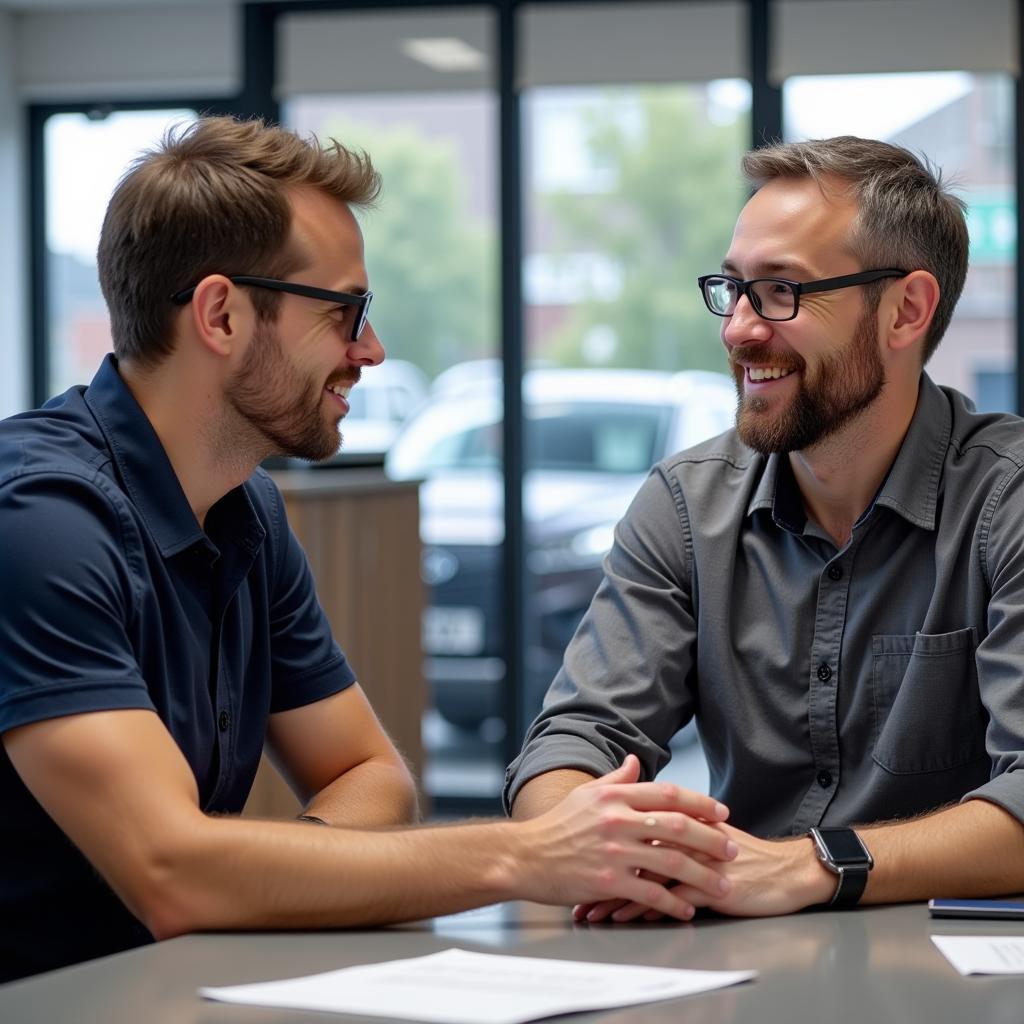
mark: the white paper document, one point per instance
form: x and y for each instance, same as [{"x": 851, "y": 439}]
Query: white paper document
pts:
[
  {"x": 983, "y": 954},
  {"x": 459, "y": 987}
]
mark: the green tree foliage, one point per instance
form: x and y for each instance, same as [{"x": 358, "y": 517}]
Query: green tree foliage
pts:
[
  {"x": 675, "y": 190},
  {"x": 432, "y": 267}
]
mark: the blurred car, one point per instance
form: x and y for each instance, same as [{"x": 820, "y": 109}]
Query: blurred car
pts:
[{"x": 591, "y": 438}]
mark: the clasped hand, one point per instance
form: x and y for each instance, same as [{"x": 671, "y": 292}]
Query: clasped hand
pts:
[
  {"x": 712, "y": 864},
  {"x": 615, "y": 841}
]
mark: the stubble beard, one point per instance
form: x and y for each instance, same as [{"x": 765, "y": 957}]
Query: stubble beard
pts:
[
  {"x": 281, "y": 406},
  {"x": 846, "y": 383}
]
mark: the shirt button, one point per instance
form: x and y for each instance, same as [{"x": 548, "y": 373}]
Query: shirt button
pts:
[
  {"x": 223, "y": 720},
  {"x": 824, "y": 672},
  {"x": 824, "y": 779},
  {"x": 835, "y": 572}
]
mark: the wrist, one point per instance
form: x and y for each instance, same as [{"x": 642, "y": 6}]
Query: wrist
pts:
[
  {"x": 818, "y": 884},
  {"x": 843, "y": 853},
  {"x": 508, "y": 875}
]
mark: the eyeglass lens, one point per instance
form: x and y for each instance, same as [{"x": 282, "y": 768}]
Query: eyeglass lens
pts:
[{"x": 774, "y": 300}]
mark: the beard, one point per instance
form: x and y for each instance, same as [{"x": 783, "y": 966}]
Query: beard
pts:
[
  {"x": 847, "y": 382},
  {"x": 281, "y": 404}
]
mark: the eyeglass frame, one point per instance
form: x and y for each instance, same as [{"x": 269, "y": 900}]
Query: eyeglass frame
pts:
[
  {"x": 825, "y": 284},
  {"x": 361, "y": 302}
]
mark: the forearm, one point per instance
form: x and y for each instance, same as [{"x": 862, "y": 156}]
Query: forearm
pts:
[
  {"x": 377, "y": 793},
  {"x": 605, "y": 839},
  {"x": 229, "y": 873},
  {"x": 178, "y": 869},
  {"x": 545, "y": 791},
  {"x": 974, "y": 849}
]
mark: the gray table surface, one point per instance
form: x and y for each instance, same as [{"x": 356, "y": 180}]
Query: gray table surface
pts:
[{"x": 868, "y": 965}]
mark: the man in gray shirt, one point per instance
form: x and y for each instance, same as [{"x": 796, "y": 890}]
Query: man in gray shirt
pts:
[{"x": 835, "y": 588}]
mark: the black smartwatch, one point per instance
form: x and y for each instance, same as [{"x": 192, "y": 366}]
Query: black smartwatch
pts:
[{"x": 843, "y": 853}]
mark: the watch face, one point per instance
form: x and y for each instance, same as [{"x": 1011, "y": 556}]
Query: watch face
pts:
[{"x": 844, "y": 845}]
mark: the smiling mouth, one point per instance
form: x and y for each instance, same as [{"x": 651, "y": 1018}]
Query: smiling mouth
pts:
[
  {"x": 761, "y": 373},
  {"x": 341, "y": 390}
]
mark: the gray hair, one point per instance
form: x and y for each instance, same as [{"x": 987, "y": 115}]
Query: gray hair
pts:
[{"x": 907, "y": 216}]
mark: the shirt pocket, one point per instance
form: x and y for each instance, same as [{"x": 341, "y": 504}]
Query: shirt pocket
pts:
[{"x": 928, "y": 716}]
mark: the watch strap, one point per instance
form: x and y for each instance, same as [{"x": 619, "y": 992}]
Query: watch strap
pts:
[{"x": 852, "y": 882}]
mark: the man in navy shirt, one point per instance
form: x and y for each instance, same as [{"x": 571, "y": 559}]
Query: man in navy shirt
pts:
[{"x": 158, "y": 621}]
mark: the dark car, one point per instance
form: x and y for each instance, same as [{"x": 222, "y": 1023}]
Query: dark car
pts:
[{"x": 591, "y": 438}]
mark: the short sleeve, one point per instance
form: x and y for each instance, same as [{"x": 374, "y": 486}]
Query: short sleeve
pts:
[
  {"x": 306, "y": 663},
  {"x": 66, "y": 601}
]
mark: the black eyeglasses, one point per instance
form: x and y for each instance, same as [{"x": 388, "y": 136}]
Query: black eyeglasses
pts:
[
  {"x": 775, "y": 298},
  {"x": 361, "y": 302}
]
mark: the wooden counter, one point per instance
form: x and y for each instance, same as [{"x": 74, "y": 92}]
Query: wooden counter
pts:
[{"x": 360, "y": 531}]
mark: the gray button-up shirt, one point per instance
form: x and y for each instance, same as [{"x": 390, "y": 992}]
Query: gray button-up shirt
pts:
[{"x": 830, "y": 686}]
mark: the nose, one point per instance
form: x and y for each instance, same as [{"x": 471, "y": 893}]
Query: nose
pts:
[
  {"x": 367, "y": 350},
  {"x": 745, "y": 325}
]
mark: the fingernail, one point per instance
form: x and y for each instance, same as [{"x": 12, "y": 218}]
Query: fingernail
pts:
[
  {"x": 721, "y": 811},
  {"x": 731, "y": 849},
  {"x": 724, "y": 885}
]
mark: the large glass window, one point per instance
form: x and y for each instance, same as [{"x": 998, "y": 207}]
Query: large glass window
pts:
[
  {"x": 632, "y": 187},
  {"x": 85, "y": 156},
  {"x": 963, "y": 123},
  {"x": 414, "y": 90}
]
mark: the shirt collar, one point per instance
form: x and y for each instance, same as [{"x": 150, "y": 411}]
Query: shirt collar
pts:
[
  {"x": 777, "y": 491},
  {"x": 911, "y": 487},
  {"x": 142, "y": 464}
]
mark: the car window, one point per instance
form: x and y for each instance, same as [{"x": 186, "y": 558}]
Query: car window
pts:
[
  {"x": 595, "y": 437},
  {"x": 478, "y": 447},
  {"x": 576, "y": 435}
]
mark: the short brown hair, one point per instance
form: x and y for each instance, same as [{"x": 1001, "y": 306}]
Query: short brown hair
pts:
[
  {"x": 907, "y": 216},
  {"x": 211, "y": 198}
]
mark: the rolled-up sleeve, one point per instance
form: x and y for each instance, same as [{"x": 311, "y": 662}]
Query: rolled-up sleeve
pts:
[
  {"x": 1000, "y": 656},
  {"x": 625, "y": 685}
]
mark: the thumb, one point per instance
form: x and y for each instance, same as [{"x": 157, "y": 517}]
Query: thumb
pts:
[{"x": 627, "y": 772}]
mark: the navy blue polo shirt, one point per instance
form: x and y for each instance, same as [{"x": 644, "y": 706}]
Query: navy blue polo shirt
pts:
[{"x": 112, "y": 596}]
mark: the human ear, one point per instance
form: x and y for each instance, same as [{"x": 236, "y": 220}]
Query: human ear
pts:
[
  {"x": 218, "y": 314},
  {"x": 915, "y": 303}
]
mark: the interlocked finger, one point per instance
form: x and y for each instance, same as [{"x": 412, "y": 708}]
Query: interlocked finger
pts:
[
  {"x": 680, "y": 830},
  {"x": 678, "y": 865}
]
